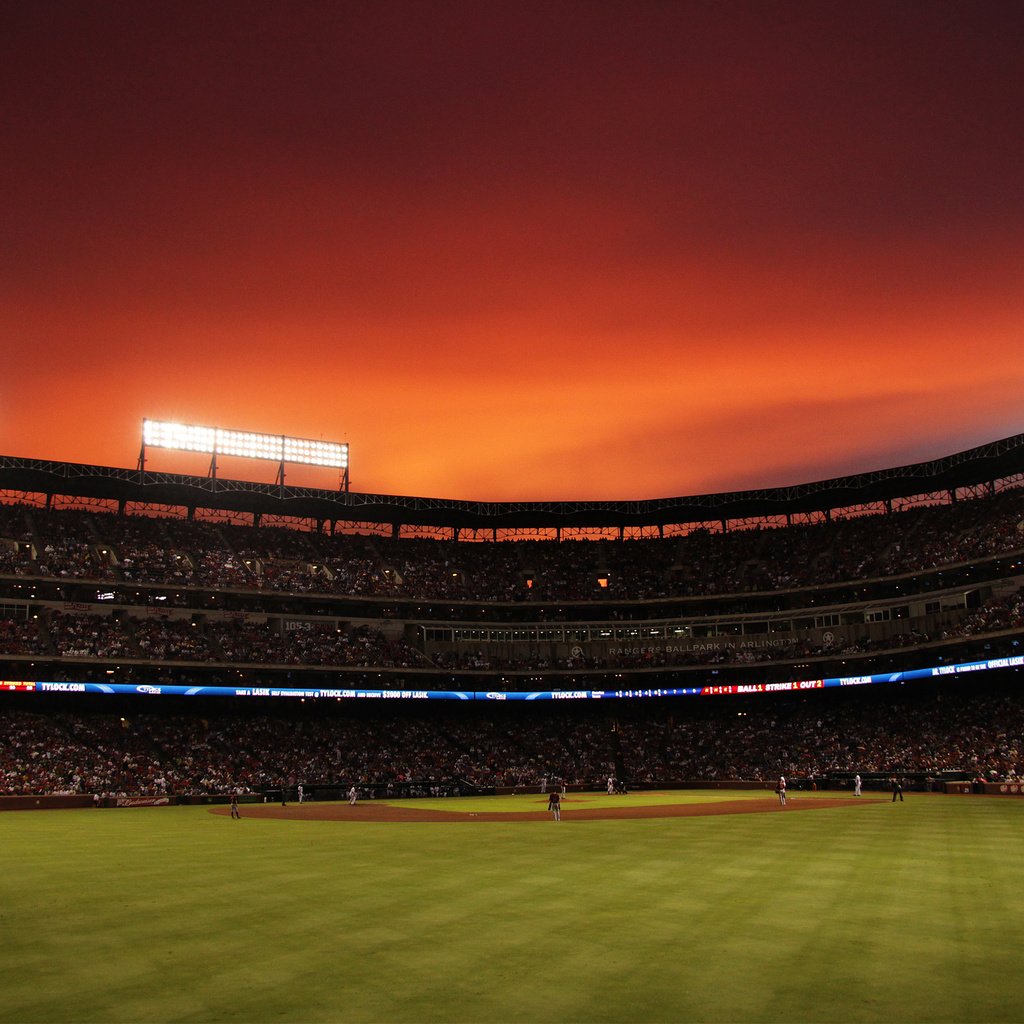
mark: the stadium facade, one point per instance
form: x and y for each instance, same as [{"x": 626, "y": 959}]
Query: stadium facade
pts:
[{"x": 133, "y": 583}]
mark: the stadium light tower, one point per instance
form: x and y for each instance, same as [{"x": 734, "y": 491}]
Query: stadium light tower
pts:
[{"x": 214, "y": 441}]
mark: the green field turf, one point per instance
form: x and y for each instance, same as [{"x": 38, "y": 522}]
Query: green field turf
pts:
[{"x": 880, "y": 912}]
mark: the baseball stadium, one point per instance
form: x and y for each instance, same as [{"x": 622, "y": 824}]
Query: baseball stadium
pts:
[
  {"x": 656, "y": 653},
  {"x": 281, "y": 753}
]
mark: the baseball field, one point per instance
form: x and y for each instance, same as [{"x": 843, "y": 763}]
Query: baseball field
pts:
[{"x": 829, "y": 910}]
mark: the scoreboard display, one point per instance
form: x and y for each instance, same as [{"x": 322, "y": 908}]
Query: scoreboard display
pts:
[{"x": 321, "y": 693}]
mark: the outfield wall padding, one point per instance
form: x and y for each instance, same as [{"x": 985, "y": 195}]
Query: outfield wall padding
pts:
[{"x": 45, "y": 803}]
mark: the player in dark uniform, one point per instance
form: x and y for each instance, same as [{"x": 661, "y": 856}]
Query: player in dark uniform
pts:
[{"x": 555, "y": 804}]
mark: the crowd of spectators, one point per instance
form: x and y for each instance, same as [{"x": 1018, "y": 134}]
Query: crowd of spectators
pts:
[
  {"x": 999, "y": 613},
  {"x": 144, "y": 549},
  {"x": 172, "y": 753},
  {"x": 15, "y": 557},
  {"x": 157, "y": 639},
  {"x": 956, "y": 733},
  {"x": 19, "y": 636},
  {"x": 173, "y": 639},
  {"x": 945, "y": 728},
  {"x": 238, "y": 640},
  {"x": 88, "y": 636}
]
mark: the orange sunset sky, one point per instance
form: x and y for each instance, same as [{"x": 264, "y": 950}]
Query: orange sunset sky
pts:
[{"x": 516, "y": 250}]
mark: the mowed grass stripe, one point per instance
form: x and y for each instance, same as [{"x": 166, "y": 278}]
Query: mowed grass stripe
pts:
[{"x": 909, "y": 913}]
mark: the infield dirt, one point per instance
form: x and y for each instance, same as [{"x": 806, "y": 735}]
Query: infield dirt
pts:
[{"x": 374, "y": 810}]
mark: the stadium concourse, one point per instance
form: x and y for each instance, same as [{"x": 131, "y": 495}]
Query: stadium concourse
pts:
[{"x": 117, "y": 594}]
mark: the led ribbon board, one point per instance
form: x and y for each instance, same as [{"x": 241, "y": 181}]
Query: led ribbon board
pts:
[{"x": 319, "y": 693}]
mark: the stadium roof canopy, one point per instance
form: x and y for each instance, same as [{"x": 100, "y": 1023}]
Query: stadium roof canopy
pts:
[{"x": 975, "y": 468}]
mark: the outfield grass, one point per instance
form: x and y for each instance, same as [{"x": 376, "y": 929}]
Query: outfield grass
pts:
[{"x": 882, "y": 912}]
